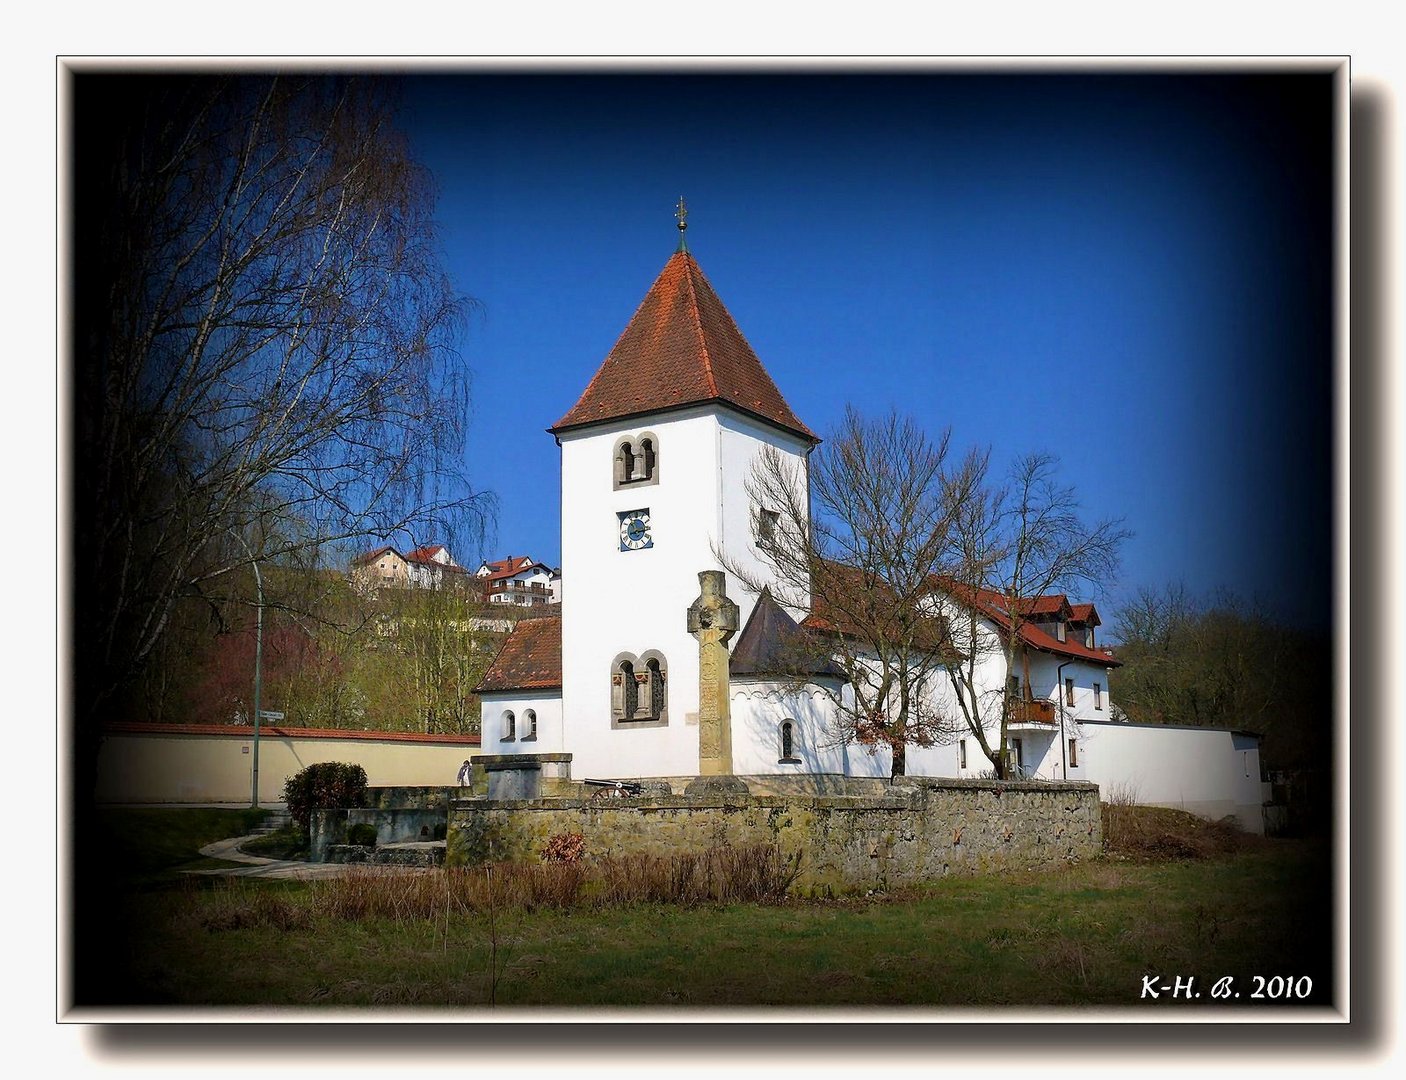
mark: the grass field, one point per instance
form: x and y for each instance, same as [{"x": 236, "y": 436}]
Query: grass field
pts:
[{"x": 1086, "y": 934}]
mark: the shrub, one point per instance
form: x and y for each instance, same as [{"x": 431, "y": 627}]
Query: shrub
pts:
[
  {"x": 564, "y": 847},
  {"x": 1157, "y": 834},
  {"x": 363, "y": 833},
  {"x": 326, "y": 785}
]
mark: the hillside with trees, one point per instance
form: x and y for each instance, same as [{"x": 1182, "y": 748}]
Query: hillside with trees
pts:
[
  {"x": 334, "y": 656},
  {"x": 1223, "y": 662}
]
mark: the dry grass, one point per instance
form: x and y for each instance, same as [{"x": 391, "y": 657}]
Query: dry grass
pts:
[
  {"x": 721, "y": 875},
  {"x": 1159, "y": 834}
]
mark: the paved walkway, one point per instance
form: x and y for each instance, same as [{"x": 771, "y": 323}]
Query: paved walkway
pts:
[{"x": 257, "y": 866}]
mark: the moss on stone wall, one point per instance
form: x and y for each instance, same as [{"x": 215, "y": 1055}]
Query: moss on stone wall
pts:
[{"x": 918, "y": 831}]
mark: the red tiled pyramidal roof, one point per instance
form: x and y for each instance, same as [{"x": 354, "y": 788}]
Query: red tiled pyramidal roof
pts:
[
  {"x": 530, "y": 658},
  {"x": 681, "y": 348}
]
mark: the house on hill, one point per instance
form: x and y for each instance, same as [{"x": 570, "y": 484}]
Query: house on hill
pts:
[
  {"x": 664, "y": 665},
  {"x": 429, "y": 567},
  {"x": 520, "y": 580}
]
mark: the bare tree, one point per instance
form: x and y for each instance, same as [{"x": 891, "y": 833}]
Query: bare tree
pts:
[
  {"x": 1226, "y": 661},
  {"x": 264, "y": 348},
  {"x": 1012, "y": 545},
  {"x": 860, "y": 548}
]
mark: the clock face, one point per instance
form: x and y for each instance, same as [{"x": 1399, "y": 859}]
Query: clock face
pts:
[{"x": 634, "y": 530}]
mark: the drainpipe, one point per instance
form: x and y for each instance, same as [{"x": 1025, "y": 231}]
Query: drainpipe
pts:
[{"x": 1059, "y": 693}]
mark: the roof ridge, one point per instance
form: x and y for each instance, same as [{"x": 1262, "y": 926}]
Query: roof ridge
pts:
[
  {"x": 630, "y": 322},
  {"x": 681, "y": 347},
  {"x": 689, "y": 266}
]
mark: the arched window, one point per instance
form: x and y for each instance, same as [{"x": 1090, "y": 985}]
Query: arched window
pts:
[
  {"x": 654, "y": 680},
  {"x": 529, "y": 723},
  {"x": 509, "y": 726},
  {"x": 788, "y": 742},
  {"x": 636, "y": 460},
  {"x": 639, "y": 694},
  {"x": 624, "y": 692}
]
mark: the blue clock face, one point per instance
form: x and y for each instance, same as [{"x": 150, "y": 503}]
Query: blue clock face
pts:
[{"x": 634, "y": 530}]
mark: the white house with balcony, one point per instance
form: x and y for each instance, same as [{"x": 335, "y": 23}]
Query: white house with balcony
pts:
[
  {"x": 655, "y": 457},
  {"x": 520, "y": 580}
]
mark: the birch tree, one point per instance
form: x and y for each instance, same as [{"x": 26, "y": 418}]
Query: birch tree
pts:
[{"x": 264, "y": 353}]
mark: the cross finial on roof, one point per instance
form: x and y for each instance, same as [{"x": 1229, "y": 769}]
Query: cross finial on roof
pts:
[{"x": 681, "y": 213}]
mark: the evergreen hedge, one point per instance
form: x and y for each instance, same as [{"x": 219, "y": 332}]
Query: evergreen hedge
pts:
[{"x": 326, "y": 785}]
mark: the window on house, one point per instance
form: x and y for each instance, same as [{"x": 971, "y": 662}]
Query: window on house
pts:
[
  {"x": 1073, "y": 754},
  {"x": 1069, "y": 692},
  {"x": 1013, "y": 687},
  {"x": 646, "y": 459},
  {"x": 1088, "y": 637},
  {"x": 509, "y": 726},
  {"x": 1018, "y": 756},
  {"x": 767, "y": 523},
  {"x": 529, "y": 724},
  {"x": 1060, "y": 631},
  {"x": 788, "y": 740},
  {"x": 962, "y": 753},
  {"x": 1098, "y": 696}
]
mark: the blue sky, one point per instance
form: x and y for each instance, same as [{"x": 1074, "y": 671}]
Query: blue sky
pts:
[{"x": 1130, "y": 271}]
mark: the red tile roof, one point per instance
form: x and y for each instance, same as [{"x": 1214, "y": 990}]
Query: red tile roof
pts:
[
  {"x": 424, "y": 554},
  {"x": 995, "y": 607},
  {"x": 511, "y": 566},
  {"x": 681, "y": 348},
  {"x": 530, "y": 658},
  {"x": 272, "y": 731},
  {"x": 848, "y": 604},
  {"x": 1084, "y": 613}
]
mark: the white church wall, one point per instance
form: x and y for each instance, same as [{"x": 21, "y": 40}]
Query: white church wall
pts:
[
  {"x": 740, "y": 443},
  {"x": 634, "y": 601},
  {"x": 493, "y": 724},
  {"x": 760, "y": 706}
]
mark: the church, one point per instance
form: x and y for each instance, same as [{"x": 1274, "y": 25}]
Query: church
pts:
[{"x": 658, "y": 664}]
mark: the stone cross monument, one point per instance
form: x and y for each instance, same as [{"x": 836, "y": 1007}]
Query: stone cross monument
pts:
[{"x": 713, "y": 619}]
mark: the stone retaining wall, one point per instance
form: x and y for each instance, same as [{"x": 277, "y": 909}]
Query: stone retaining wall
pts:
[{"x": 920, "y": 830}]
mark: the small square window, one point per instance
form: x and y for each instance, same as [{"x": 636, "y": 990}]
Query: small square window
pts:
[{"x": 767, "y": 523}]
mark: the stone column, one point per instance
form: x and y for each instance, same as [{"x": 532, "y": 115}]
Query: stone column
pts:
[{"x": 713, "y": 619}]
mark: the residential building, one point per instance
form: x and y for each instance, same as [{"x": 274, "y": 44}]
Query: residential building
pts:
[
  {"x": 520, "y": 580},
  {"x": 429, "y": 567}
]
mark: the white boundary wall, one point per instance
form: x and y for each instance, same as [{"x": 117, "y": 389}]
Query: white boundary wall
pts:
[{"x": 1207, "y": 771}]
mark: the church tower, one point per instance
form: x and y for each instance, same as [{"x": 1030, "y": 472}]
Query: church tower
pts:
[{"x": 654, "y": 461}]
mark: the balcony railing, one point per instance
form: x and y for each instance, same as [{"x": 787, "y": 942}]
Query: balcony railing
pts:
[{"x": 1032, "y": 712}]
